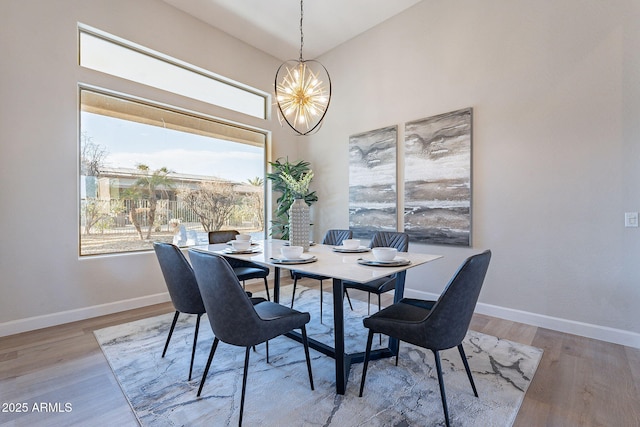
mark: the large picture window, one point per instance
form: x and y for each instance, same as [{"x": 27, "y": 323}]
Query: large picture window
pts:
[{"x": 150, "y": 173}]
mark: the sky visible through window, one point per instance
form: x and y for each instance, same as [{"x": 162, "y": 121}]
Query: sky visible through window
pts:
[{"x": 130, "y": 143}]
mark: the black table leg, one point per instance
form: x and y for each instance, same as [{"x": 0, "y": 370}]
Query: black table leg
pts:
[{"x": 342, "y": 361}]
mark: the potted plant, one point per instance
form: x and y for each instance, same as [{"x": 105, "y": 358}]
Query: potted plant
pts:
[{"x": 296, "y": 172}]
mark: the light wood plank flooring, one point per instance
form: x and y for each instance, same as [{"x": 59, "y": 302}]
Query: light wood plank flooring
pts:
[{"x": 580, "y": 381}]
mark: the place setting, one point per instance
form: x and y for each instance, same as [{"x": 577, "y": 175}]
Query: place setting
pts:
[
  {"x": 242, "y": 245},
  {"x": 384, "y": 257},
  {"x": 293, "y": 255},
  {"x": 350, "y": 246}
]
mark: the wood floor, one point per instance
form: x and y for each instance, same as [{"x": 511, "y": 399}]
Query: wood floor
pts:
[{"x": 59, "y": 377}]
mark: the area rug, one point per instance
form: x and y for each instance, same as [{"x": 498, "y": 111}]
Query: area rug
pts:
[{"x": 278, "y": 392}]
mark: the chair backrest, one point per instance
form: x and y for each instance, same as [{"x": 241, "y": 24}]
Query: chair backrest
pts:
[
  {"x": 335, "y": 237},
  {"x": 449, "y": 319},
  {"x": 180, "y": 279},
  {"x": 391, "y": 239},
  {"x": 222, "y": 236},
  {"x": 229, "y": 309}
]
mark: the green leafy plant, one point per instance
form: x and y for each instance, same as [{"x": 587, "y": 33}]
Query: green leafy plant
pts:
[{"x": 300, "y": 173}]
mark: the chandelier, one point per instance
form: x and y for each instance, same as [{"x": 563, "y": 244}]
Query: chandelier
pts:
[{"x": 303, "y": 91}]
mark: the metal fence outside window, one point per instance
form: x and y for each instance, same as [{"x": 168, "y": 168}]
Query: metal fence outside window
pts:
[{"x": 114, "y": 216}]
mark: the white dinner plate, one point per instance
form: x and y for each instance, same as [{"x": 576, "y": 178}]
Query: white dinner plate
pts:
[
  {"x": 396, "y": 262},
  {"x": 305, "y": 258},
  {"x": 245, "y": 251},
  {"x": 355, "y": 251}
]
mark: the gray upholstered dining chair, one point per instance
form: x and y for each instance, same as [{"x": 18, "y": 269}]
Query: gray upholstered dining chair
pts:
[
  {"x": 434, "y": 325},
  {"x": 183, "y": 289},
  {"x": 235, "y": 320},
  {"x": 391, "y": 239},
  {"x": 245, "y": 270},
  {"x": 331, "y": 237}
]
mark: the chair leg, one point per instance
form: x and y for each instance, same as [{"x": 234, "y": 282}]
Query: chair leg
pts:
[
  {"x": 321, "y": 302},
  {"x": 195, "y": 341},
  {"x": 266, "y": 287},
  {"x": 398, "y": 353},
  {"x": 466, "y": 367},
  {"x": 443, "y": 396},
  {"x": 206, "y": 369},
  {"x": 173, "y": 325},
  {"x": 366, "y": 361},
  {"x": 305, "y": 342},
  {"x": 368, "y": 303},
  {"x": 380, "y": 308},
  {"x": 293, "y": 295},
  {"x": 244, "y": 383},
  {"x": 266, "y": 343},
  {"x": 348, "y": 299}
]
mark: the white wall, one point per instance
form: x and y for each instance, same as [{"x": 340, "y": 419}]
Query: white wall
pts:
[
  {"x": 555, "y": 88},
  {"x": 42, "y": 279}
]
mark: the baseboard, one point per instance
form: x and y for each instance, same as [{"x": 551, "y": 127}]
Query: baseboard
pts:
[
  {"x": 602, "y": 333},
  {"x": 54, "y": 319}
]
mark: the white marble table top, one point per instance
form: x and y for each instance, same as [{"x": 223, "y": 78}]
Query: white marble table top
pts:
[{"x": 332, "y": 264}]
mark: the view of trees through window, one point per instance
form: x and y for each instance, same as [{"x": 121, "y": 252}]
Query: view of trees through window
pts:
[{"x": 152, "y": 174}]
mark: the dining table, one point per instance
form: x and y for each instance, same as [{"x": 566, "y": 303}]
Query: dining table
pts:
[{"x": 341, "y": 265}]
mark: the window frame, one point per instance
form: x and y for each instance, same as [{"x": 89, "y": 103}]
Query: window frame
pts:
[
  {"x": 121, "y": 42},
  {"x": 111, "y": 85}
]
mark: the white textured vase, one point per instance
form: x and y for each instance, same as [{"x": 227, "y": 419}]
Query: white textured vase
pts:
[{"x": 299, "y": 224}]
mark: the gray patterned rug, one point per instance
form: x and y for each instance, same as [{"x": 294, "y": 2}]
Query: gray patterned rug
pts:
[{"x": 278, "y": 393}]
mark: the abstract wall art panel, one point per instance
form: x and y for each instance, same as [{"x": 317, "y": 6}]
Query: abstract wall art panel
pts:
[
  {"x": 372, "y": 182},
  {"x": 437, "y": 188}
]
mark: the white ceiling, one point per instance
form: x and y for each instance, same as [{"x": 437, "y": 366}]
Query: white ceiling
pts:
[{"x": 273, "y": 26}]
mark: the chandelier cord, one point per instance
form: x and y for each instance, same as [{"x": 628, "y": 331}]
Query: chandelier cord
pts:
[{"x": 301, "y": 34}]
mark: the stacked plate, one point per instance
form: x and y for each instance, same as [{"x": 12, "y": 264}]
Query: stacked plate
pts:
[
  {"x": 304, "y": 259},
  {"x": 342, "y": 249},
  {"x": 396, "y": 262},
  {"x": 253, "y": 250}
]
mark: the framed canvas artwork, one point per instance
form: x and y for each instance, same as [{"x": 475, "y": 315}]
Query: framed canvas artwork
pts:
[
  {"x": 437, "y": 187},
  {"x": 372, "y": 182}
]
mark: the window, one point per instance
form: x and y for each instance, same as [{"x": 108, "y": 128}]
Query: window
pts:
[
  {"x": 109, "y": 54},
  {"x": 150, "y": 173}
]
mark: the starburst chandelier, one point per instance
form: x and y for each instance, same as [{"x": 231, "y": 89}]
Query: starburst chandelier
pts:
[{"x": 303, "y": 91}]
